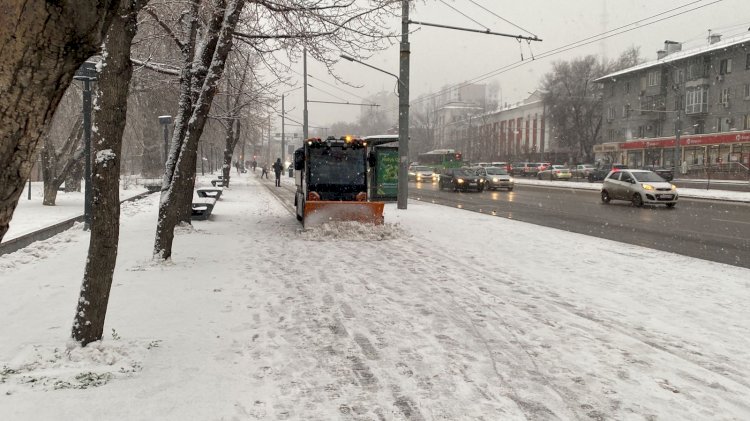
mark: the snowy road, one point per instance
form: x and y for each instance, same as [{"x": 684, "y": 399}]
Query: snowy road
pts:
[{"x": 444, "y": 318}]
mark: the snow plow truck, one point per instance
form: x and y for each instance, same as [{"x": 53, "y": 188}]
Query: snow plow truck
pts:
[{"x": 331, "y": 179}]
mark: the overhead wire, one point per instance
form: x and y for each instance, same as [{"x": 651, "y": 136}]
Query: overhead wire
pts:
[
  {"x": 501, "y": 18},
  {"x": 567, "y": 47},
  {"x": 464, "y": 15}
]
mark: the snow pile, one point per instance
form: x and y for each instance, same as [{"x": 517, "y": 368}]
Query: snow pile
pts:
[
  {"x": 352, "y": 231},
  {"x": 42, "y": 367},
  {"x": 40, "y": 249}
]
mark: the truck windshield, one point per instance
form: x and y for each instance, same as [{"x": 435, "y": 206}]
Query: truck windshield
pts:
[{"x": 337, "y": 166}]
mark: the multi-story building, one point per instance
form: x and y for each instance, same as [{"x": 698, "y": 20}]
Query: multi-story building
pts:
[
  {"x": 705, "y": 92},
  {"x": 517, "y": 131}
]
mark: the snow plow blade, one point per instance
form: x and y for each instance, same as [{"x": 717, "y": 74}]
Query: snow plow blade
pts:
[{"x": 318, "y": 212}]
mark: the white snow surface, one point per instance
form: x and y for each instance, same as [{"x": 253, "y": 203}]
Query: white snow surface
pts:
[{"x": 441, "y": 314}]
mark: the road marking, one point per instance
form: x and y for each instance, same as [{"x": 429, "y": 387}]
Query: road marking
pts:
[{"x": 729, "y": 220}]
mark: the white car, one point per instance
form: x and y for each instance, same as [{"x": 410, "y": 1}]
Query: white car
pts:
[
  {"x": 496, "y": 178},
  {"x": 639, "y": 187},
  {"x": 422, "y": 174}
]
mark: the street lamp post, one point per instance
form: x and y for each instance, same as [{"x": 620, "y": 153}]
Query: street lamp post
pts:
[
  {"x": 165, "y": 121},
  {"x": 403, "y": 113},
  {"x": 87, "y": 73}
]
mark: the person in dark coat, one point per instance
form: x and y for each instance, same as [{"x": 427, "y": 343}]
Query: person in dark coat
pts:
[
  {"x": 277, "y": 167},
  {"x": 254, "y": 164}
]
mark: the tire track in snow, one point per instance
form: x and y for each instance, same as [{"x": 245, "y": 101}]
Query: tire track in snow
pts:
[{"x": 573, "y": 311}]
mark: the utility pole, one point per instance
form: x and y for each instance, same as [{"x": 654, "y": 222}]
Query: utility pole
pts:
[
  {"x": 403, "y": 109},
  {"x": 304, "y": 89},
  {"x": 268, "y": 152},
  {"x": 677, "y": 132},
  {"x": 283, "y": 140}
]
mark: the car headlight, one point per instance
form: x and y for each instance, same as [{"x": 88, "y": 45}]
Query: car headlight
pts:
[
  {"x": 648, "y": 187},
  {"x": 460, "y": 180},
  {"x": 481, "y": 180},
  {"x": 511, "y": 179},
  {"x": 495, "y": 180},
  {"x": 673, "y": 187}
]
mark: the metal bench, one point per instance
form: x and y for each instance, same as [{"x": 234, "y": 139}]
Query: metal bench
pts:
[
  {"x": 218, "y": 181},
  {"x": 202, "y": 208},
  {"x": 214, "y": 192}
]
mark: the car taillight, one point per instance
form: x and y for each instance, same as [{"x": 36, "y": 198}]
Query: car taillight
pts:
[
  {"x": 313, "y": 196},
  {"x": 361, "y": 196}
]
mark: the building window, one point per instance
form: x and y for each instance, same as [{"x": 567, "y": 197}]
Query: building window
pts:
[
  {"x": 640, "y": 132},
  {"x": 654, "y": 78},
  {"x": 679, "y": 76},
  {"x": 696, "y": 100},
  {"x": 747, "y": 91},
  {"x": 725, "y": 66},
  {"x": 679, "y": 101},
  {"x": 611, "y": 113},
  {"x": 611, "y": 135},
  {"x": 746, "y": 122},
  {"x": 627, "y": 88},
  {"x": 724, "y": 96},
  {"x": 626, "y": 111},
  {"x": 747, "y": 62}
]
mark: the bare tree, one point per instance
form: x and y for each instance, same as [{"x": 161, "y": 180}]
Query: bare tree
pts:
[
  {"x": 268, "y": 26},
  {"x": 42, "y": 44},
  {"x": 57, "y": 164},
  {"x": 574, "y": 100},
  {"x": 110, "y": 114}
]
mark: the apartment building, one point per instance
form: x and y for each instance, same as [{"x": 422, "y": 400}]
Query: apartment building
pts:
[{"x": 703, "y": 92}]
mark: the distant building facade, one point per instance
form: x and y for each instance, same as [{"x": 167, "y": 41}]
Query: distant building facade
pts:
[
  {"x": 516, "y": 132},
  {"x": 705, "y": 91}
]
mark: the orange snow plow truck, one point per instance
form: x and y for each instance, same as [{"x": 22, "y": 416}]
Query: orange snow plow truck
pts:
[{"x": 331, "y": 179}]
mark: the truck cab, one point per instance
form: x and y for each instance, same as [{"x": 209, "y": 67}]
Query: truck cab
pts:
[{"x": 331, "y": 181}]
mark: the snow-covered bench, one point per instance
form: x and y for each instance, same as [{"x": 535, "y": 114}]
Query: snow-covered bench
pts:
[
  {"x": 214, "y": 192},
  {"x": 202, "y": 208}
]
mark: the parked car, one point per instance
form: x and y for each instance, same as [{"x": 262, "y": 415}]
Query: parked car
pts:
[
  {"x": 460, "y": 179},
  {"x": 555, "y": 172},
  {"x": 523, "y": 168},
  {"x": 420, "y": 173},
  {"x": 541, "y": 166},
  {"x": 582, "y": 170},
  {"x": 639, "y": 187},
  {"x": 601, "y": 172},
  {"x": 503, "y": 165},
  {"x": 496, "y": 178},
  {"x": 664, "y": 173}
]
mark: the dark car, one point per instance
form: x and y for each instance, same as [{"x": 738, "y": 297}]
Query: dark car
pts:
[
  {"x": 460, "y": 179},
  {"x": 601, "y": 172},
  {"x": 664, "y": 173}
]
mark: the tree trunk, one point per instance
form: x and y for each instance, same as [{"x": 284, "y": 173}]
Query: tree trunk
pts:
[
  {"x": 74, "y": 177},
  {"x": 56, "y": 166},
  {"x": 228, "y": 149},
  {"x": 42, "y": 43},
  {"x": 177, "y": 197},
  {"x": 110, "y": 115}
]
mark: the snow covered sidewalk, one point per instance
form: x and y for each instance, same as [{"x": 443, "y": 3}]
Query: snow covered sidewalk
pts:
[{"x": 439, "y": 315}]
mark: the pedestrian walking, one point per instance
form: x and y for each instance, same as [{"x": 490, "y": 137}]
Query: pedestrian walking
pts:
[
  {"x": 264, "y": 170},
  {"x": 277, "y": 167},
  {"x": 254, "y": 164}
]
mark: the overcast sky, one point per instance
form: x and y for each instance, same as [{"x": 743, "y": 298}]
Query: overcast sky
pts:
[{"x": 445, "y": 57}]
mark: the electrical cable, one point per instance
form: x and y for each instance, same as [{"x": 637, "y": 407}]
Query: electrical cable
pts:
[
  {"x": 502, "y": 18},
  {"x": 567, "y": 47},
  {"x": 465, "y": 15}
]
